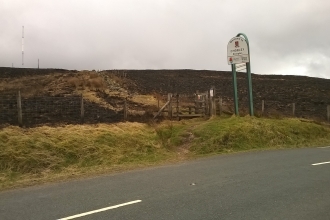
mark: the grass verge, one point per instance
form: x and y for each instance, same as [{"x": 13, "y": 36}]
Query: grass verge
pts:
[
  {"x": 248, "y": 133},
  {"x": 34, "y": 155},
  {"x": 43, "y": 154}
]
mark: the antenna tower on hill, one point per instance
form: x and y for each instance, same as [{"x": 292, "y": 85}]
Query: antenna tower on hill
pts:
[{"x": 22, "y": 45}]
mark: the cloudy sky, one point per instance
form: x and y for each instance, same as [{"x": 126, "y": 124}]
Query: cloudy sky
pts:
[{"x": 286, "y": 36}]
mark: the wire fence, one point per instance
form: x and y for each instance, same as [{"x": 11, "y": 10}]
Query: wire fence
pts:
[
  {"x": 309, "y": 110},
  {"x": 314, "y": 110},
  {"x": 48, "y": 110},
  {"x": 8, "y": 109}
]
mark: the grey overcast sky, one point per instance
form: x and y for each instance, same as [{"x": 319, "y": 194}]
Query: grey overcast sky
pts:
[{"x": 290, "y": 37}]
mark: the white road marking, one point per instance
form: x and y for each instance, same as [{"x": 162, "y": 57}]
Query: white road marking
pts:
[
  {"x": 315, "y": 164},
  {"x": 324, "y": 147},
  {"x": 100, "y": 210}
]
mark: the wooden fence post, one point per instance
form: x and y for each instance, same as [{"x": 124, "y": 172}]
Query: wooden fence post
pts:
[
  {"x": 125, "y": 109},
  {"x": 214, "y": 106},
  {"x": 19, "y": 109},
  {"x": 82, "y": 110},
  {"x": 177, "y": 106},
  {"x": 262, "y": 107},
  {"x": 169, "y": 98},
  {"x": 204, "y": 106},
  {"x": 328, "y": 113},
  {"x": 207, "y": 105},
  {"x": 220, "y": 105},
  {"x": 158, "y": 105},
  {"x": 212, "y": 101},
  {"x": 196, "y": 103},
  {"x": 293, "y": 109}
]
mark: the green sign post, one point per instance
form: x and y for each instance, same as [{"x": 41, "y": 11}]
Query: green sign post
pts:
[
  {"x": 233, "y": 69},
  {"x": 238, "y": 51}
]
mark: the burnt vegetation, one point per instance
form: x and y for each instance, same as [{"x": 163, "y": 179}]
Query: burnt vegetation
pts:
[{"x": 105, "y": 92}]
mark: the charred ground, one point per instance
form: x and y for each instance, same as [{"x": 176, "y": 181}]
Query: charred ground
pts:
[{"x": 104, "y": 92}]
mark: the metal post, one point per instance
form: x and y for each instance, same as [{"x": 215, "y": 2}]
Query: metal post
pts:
[
  {"x": 233, "y": 67},
  {"x": 22, "y": 45},
  {"x": 262, "y": 107},
  {"x": 248, "y": 69}
]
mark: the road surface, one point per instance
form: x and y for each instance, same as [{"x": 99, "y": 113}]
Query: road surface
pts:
[{"x": 276, "y": 184}]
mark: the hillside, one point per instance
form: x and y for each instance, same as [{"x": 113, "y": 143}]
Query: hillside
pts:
[{"x": 59, "y": 93}]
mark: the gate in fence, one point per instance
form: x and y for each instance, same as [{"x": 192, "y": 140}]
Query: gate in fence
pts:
[{"x": 200, "y": 104}]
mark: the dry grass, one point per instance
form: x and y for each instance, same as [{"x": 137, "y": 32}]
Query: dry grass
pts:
[
  {"x": 92, "y": 97},
  {"x": 87, "y": 80},
  {"x": 145, "y": 100},
  {"x": 35, "y": 155},
  {"x": 31, "y": 85},
  {"x": 86, "y": 83},
  {"x": 45, "y": 153}
]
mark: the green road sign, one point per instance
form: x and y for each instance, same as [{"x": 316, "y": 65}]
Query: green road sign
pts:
[{"x": 238, "y": 51}]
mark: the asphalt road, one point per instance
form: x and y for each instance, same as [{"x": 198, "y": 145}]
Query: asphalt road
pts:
[{"x": 277, "y": 184}]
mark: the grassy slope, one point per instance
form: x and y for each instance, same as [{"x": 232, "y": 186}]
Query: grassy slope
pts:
[
  {"x": 236, "y": 134},
  {"x": 28, "y": 156},
  {"x": 35, "y": 154}
]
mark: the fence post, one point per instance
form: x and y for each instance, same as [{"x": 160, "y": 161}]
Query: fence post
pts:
[
  {"x": 204, "y": 106},
  {"x": 328, "y": 114},
  {"x": 293, "y": 109},
  {"x": 19, "y": 109},
  {"x": 177, "y": 106},
  {"x": 169, "y": 98},
  {"x": 207, "y": 104},
  {"x": 158, "y": 106},
  {"x": 125, "y": 109},
  {"x": 220, "y": 105},
  {"x": 82, "y": 110},
  {"x": 196, "y": 103},
  {"x": 262, "y": 107},
  {"x": 214, "y": 106},
  {"x": 212, "y": 101}
]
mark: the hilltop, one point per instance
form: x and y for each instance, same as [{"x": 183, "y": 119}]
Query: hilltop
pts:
[{"x": 104, "y": 92}]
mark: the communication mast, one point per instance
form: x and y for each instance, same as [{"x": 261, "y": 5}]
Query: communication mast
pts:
[{"x": 22, "y": 45}]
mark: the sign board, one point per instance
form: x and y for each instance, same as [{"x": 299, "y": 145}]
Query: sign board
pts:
[
  {"x": 211, "y": 92},
  {"x": 237, "y": 51}
]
